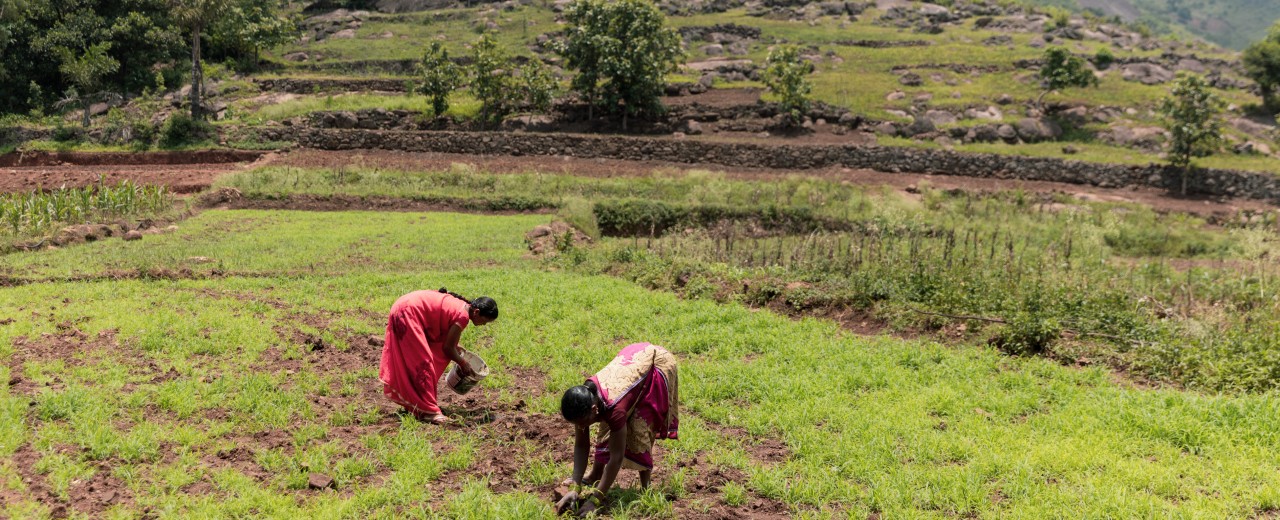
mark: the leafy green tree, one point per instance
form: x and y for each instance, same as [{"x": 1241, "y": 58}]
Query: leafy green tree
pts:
[
  {"x": 1061, "y": 69},
  {"x": 34, "y": 33},
  {"x": 249, "y": 26},
  {"x": 1262, "y": 65},
  {"x": 440, "y": 77},
  {"x": 85, "y": 70},
  {"x": 622, "y": 51},
  {"x": 196, "y": 16},
  {"x": 1191, "y": 115},
  {"x": 539, "y": 85},
  {"x": 492, "y": 81},
  {"x": 784, "y": 74}
]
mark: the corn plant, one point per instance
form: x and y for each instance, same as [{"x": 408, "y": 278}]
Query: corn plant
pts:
[{"x": 39, "y": 210}]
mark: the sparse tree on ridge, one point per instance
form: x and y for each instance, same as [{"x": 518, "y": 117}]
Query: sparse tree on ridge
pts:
[
  {"x": 85, "y": 70},
  {"x": 622, "y": 51},
  {"x": 1191, "y": 115},
  {"x": 784, "y": 74},
  {"x": 1061, "y": 69},
  {"x": 196, "y": 16},
  {"x": 1262, "y": 65},
  {"x": 440, "y": 77},
  {"x": 492, "y": 81},
  {"x": 539, "y": 85}
]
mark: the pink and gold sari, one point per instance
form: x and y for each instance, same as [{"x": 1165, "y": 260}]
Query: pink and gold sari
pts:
[{"x": 642, "y": 377}]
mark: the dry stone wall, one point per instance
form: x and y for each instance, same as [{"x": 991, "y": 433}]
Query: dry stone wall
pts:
[{"x": 782, "y": 156}]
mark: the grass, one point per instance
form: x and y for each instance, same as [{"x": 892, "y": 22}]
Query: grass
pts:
[
  {"x": 1040, "y": 264},
  {"x": 902, "y": 428},
  {"x": 461, "y": 105}
]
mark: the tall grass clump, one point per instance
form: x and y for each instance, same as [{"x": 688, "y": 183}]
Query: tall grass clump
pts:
[{"x": 40, "y": 211}]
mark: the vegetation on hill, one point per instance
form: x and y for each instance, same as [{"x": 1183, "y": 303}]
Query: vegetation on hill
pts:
[{"x": 1230, "y": 23}]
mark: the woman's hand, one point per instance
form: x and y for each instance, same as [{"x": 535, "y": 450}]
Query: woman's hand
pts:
[
  {"x": 568, "y": 501},
  {"x": 464, "y": 369},
  {"x": 587, "y": 507}
]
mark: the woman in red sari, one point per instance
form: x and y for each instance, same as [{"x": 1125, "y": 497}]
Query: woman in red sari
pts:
[
  {"x": 635, "y": 399},
  {"x": 422, "y": 338}
]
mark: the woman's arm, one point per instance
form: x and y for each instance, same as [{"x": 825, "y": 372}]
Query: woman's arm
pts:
[
  {"x": 617, "y": 452},
  {"x": 451, "y": 349},
  {"x": 581, "y": 452}
]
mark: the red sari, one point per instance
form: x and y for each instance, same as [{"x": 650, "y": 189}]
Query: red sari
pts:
[{"x": 413, "y": 356}]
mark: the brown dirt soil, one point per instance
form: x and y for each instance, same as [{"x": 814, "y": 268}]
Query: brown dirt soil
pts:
[
  {"x": 179, "y": 176},
  {"x": 305, "y": 202},
  {"x": 1159, "y": 200},
  {"x": 29, "y": 159}
]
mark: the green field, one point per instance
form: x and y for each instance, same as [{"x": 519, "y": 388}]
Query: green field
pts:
[{"x": 209, "y": 372}]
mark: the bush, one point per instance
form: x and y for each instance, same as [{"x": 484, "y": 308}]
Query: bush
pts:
[
  {"x": 1104, "y": 58},
  {"x": 181, "y": 129},
  {"x": 635, "y": 217}
]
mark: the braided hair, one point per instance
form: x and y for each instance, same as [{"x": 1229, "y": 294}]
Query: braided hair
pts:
[{"x": 483, "y": 306}]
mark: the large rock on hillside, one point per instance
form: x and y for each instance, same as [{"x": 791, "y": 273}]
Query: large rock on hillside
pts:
[
  {"x": 939, "y": 117},
  {"x": 1146, "y": 138},
  {"x": 1147, "y": 73},
  {"x": 1034, "y": 130}
]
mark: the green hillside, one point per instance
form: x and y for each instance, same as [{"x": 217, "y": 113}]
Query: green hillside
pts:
[{"x": 1230, "y": 23}]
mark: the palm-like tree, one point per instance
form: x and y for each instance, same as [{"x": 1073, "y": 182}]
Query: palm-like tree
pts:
[{"x": 196, "y": 15}]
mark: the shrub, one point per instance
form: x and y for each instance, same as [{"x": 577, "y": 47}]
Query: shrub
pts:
[
  {"x": 182, "y": 129},
  {"x": 785, "y": 76},
  {"x": 1104, "y": 58}
]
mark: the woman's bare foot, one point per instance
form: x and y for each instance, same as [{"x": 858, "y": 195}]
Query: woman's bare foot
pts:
[{"x": 441, "y": 419}]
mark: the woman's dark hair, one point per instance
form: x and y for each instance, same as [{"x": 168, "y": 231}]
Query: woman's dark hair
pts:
[
  {"x": 484, "y": 305},
  {"x": 577, "y": 402}
]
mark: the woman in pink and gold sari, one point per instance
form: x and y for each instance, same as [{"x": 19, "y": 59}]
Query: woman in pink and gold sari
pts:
[{"x": 635, "y": 399}]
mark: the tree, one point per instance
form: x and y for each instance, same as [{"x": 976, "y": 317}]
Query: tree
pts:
[
  {"x": 440, "y": 77},
  {"x": 85, "y": 71},
  {"x": 1191, "y": 116},
  {"x": 249, "y": 26},
  {"x": 784, "y": 74},
  {"x": 142, "y": 35},
  {"x": 622, "y": 51},
  {"x": 1061, "y": 69},
  {"x": 1262, "y": 65},
  {"x": 492, "y": 81},
  {"x": 196, "y": 16},
  {"x": 539, "y": 85}
]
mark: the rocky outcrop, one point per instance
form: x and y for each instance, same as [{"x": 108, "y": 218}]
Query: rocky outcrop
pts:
[{"x": 889, "y": 159}]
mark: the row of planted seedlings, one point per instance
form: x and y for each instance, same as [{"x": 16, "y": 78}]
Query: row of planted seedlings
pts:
[
  {"x": 40, "y": 211},
  {"x": 1165, "y": 295}
]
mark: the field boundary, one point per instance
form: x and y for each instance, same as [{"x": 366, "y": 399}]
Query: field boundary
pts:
[
  {"x": 27, "y": 159},
  {"x": 1212, "y": 182}
]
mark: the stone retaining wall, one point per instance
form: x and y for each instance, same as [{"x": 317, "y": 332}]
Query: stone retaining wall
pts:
[
  {"x": 782, "y": 156},
  {"x": 308, "y": 86}
]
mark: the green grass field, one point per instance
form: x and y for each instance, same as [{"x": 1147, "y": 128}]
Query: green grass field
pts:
[{"x": 181, "y": 372}]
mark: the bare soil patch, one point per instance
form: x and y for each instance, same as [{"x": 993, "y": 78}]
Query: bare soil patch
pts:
[
  {"x": 184, "y": 172},
  {"x": 28, "y": 159}
]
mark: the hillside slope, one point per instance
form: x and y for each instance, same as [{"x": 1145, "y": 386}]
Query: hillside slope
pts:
[{"x": 1230, "y": 23}]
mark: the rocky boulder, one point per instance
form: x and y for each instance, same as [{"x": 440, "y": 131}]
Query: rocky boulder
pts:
[
  {"x": 1146, "y": 138},
  {"x": 1034, "y": 130},
  {"x": 1146, "y": 73},
  {"x": 990, "y": 113}
]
